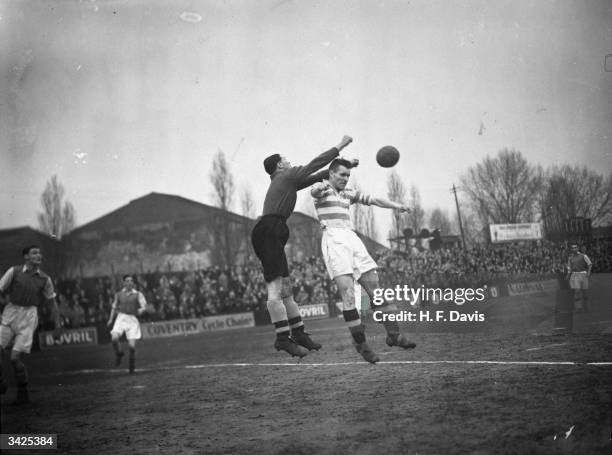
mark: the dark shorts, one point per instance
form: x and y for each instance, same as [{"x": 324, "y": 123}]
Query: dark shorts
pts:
[{"x": 269, "y": 237}]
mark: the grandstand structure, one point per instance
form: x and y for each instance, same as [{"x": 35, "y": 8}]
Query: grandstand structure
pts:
[{"x": 159, "y": 232}]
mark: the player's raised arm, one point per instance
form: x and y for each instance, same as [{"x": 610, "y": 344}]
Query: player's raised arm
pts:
[
  {"x": 387, "y": 204},
  {"x": 321, "y": 175},
  {"x": 312, "y": 179},
  {"x": 303, "y": 172}
]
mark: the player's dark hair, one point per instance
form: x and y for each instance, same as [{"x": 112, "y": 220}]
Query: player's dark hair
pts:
[
  {"x": 127, "y": 275},
  {"x": 339, "y": 162},
  {"x": 28, "y": 248},
  {"x": 271, "y": 162}
]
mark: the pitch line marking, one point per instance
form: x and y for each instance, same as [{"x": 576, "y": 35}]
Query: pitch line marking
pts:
[
  {"x": 334, "y": 364},
  {"x": 390, "y": 362}
]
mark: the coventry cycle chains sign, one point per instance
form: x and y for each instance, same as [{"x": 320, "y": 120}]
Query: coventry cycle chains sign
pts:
[{"x": 178, "y": 327}]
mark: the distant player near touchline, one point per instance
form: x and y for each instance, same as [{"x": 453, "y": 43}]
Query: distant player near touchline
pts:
[
  {"x": 27, "y": 287},
  {"x": 269, "y": 237},
  {"x": 345, "y": 255},
  {"x": 128, "y": 304},
  {"x": 579, "y": 267}
]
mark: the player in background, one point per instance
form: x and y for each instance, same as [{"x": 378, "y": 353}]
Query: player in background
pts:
[
  {"x": 269, "y": 237},
  {"x": 128, "y": 304},
  {"x": 345, "y": 255},
  {"x": 579, "y": 267},
  {"x": 27, "y": 287}
]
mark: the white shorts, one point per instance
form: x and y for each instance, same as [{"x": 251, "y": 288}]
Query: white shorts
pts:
[
  {"x": 579, "y": 280},
  {"x": 19, "y": 322},
  {"x": 345, "y": 254},
  {"x": 129, "y": 324}
]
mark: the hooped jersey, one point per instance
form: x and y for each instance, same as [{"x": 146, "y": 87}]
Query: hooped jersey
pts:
[{"x": 333, "y": 207}]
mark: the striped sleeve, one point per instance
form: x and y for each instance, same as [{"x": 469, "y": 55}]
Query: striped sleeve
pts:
[
  {"x": 587, "y": 260},
  {"x": 316, "y": 190},
  {"x": 359, "y": 197}
]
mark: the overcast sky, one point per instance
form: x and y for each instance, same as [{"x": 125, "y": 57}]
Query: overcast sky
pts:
[{"x": 121, "y": 98}]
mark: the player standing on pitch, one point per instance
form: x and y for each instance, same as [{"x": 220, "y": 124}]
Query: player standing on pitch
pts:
[
  {"x": 27, "y": 287},
  {"x": 128, "y": 304},
  {"x": 579, "y": 267},
  {"x": 345, "y": 255},
  {"x": 270, "y": 236}
]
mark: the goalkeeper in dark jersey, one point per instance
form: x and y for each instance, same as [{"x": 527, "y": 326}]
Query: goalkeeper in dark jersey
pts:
[{"x": 270, "y": 236}]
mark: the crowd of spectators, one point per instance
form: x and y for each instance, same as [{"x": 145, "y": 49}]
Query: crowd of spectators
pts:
[{"x": 193, "y": 294}]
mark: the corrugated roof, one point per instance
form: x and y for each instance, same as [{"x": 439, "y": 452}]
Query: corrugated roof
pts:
[{"x": 156, "y": 207}]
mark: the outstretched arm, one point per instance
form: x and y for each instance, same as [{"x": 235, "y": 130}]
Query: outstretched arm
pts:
[
  {"x": 321, "y": 175},
  {"x": 313, "y": 178},
  {"x": 387, "y": 204},
  {"x": 303, "y": 172}
]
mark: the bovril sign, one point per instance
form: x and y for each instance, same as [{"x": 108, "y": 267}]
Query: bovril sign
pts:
[
  {"x": 69, "y": 337},
  {"x": 317, "y": 311}
]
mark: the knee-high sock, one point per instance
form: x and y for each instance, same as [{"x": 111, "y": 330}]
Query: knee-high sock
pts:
[
  {"x": 132, "y": 358},
  {"x": 293, "y": 314},
  {"x": 353, "y": 321},
  {"x": 392, "y": 327},
  {"x": 116, "y": 347},
  {"x": 21, "y": 374},
  {"x": 278, "y": 316}
]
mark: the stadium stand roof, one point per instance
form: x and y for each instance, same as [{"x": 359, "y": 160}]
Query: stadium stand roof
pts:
[
  {"x": 13, "y": 240},
  {"x": 156, "y": 207}
]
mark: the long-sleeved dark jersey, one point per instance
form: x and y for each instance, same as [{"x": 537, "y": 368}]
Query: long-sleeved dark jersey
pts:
[{"x": 282, "y": 193}]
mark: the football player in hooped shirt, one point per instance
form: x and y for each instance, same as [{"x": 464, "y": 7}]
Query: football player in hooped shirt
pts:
[
  {"x": 128, "y": 304},
  {"x": 345, "y": 255}
]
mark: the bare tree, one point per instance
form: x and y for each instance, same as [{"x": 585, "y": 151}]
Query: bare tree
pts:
[
  {"x": 222, "y": 181},
  {"x": 416, "y": 217},
  {"x": 369, "y": 228},
  {"x": 439, "y": 219},
  {"x": 573, "y": 191},
  {"x": 503, "y": 189},
  {"x": 247, "y": 202},
  {"x": 396, "y": 191},
  {"x": 473, "y": 229},
  {"x": 57, "y": 217}
]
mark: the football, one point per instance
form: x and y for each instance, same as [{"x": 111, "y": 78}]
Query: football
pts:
[{"x": 387, "y": 156}]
